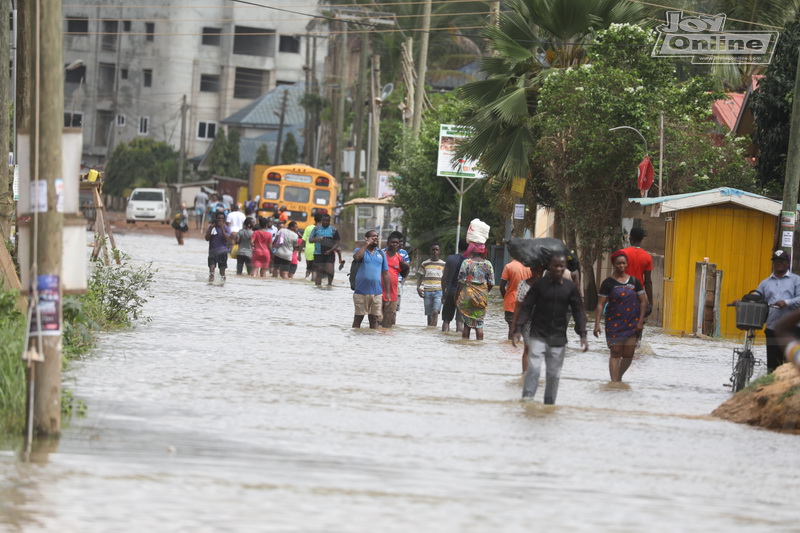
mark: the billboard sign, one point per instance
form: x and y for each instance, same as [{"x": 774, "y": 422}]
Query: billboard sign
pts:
[{"x": 448, "y": 164}]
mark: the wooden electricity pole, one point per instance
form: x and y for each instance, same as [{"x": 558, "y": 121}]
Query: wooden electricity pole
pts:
[
  {"x": 46, "y": 124},
  {"x": 281, "y": 119},
  {"x": 338, "y": 141},
  {"x": 792, "y": 179},
  {"x": 358, "y": 107},
  {"x": 375, "y": 127},
  {"x": 182, "y": 156},
  {"x": 422, "y": 68},
  {"x": 6, "y": 198}
]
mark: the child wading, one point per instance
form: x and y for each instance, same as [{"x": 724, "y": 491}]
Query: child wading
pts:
[{"x": 429, "y": 285}]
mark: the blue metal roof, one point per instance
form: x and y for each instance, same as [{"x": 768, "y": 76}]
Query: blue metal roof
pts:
[
  {"x": 725, "y": 191},
  {"x": 265, "y": 111}
]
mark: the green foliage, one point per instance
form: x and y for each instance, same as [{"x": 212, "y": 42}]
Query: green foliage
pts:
[
  {"x": 143, "y": 162},
  {"x": 772, "y": 107},
  {"x": 224, "y": 157},
  {"x": 262, "y": 156},
  {"x": 429, "y": 203},
  {"x": 590, "y": 170},
  {"x": 12, "y": 368},
  {"x": 764, "y": 380},
  {"x": 788, "y": 394},
  {"x": 289, "y": 152}
]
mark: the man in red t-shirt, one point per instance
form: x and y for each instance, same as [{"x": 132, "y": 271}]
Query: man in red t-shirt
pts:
[{"x": 640, "y": 264}]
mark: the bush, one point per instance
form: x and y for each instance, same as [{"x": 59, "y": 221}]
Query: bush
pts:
[{"x": 12, "y": 368}]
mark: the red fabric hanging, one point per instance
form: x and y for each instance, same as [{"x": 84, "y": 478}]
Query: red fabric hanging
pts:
[{"x": 645, "y": 177}]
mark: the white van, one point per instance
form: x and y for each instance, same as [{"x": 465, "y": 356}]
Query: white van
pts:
[{"x": 148, "y": 204}]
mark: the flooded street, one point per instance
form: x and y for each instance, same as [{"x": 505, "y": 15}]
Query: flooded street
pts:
[{"x": 255, "y": 407}]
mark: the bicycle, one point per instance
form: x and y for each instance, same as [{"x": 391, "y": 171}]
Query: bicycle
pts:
[{"x": 751, "y": 315}]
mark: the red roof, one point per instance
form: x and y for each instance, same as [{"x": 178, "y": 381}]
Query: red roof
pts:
[{"x": 726, "y": 111}]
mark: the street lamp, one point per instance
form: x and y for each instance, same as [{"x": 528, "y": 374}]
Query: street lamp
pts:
[{"x": 637, "y": 131}]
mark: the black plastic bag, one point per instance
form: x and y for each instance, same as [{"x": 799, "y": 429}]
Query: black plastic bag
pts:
[{"x": 536, "y": 253}]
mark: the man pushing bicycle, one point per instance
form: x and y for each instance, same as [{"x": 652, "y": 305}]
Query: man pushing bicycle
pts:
[{"x": 782, "y": 291}]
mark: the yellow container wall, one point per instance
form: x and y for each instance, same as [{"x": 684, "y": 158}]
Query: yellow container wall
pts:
[{"x": 736, "y": 239}]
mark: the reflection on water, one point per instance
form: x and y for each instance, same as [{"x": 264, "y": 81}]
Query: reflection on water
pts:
[{"x": 254, "y": 406}]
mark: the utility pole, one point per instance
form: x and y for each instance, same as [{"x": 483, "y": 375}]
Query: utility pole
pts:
[
  {"x": 359, "y": 108},
  {"x": 182, "y": 157},
  {"x": 338, "y": 142},
  {"x": 422, "y": 68},
  {"x": 277, "y": 160},
  {"x": 792, "y": 179},
  {"x": 375, "y": 127},
  {"x": 6, "y": 200},
  {"x": 307, "y": 115},
  {"x": 46, "y": 124}
]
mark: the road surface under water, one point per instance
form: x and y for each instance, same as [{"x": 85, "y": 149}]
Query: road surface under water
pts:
[{"x": 254, "y": 406}]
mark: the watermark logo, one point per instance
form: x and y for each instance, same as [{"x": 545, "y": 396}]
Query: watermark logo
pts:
[{"x": 704, "y": 39}]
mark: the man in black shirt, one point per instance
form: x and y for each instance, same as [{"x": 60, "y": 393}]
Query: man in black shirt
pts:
[
  {"x": 546, "y": 305},
  {"x": 452, "y": 265}
]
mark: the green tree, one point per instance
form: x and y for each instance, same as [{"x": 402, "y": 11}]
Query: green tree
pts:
[
  {"x": 218, "y": 159},
  {"x": 262, "y": 156},
  {"x": 289, "y": 152},
  {"x": 429, "y": 203},
  {"x": 772, "y": 107},
  {"x": 589, "y": 171},
  {"x": 232, "y": 165},
  {"x": 144, "y": 162}
]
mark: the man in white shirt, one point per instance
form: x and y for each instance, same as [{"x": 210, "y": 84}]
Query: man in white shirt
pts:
[{"x": 235, "y": 219}]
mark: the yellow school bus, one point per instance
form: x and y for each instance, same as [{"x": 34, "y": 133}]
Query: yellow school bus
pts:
[{"x": 304, "y": 191}]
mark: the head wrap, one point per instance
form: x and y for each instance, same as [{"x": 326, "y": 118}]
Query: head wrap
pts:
[
  {"x": 618, "y": 253},
  {"x": 475, "y": 247}
]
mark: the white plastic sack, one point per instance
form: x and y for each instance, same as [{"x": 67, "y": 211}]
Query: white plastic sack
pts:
[{"x": 478, "y": 231}]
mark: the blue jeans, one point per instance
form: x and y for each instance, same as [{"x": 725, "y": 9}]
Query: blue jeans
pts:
[{"x": 433, "y": 302}]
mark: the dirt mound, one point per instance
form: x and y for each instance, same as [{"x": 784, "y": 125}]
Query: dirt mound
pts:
[{"x": 772, "y": 402}]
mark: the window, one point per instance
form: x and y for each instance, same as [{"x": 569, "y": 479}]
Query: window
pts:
[
  {"x": 109, "y": 36},
  {"x": 209, "y": 83},
  {"x": 206, "y": 130},
  {"x": 75, "y": 75},
  {"x": 105, "y": 79},
  {"x": 211, "y": 36},
  {"x": 279, "y": 83},
  {"x": 123, "y": 73},
  {"x": 149, "y": 31},
  {"x": 322, "y": 197},
  {"x": 73, "y": 119},
  {"x": 126, "y": 25},
  {"x": 289, "y": 44},
  {"x": 271, "y": 191},
  {"x": 299, "y": 195},
  {"x": 102, "y": 127},
  {"x": 148, "y": 77},
  {"x": 254, "y": 41},
  {"x": 78, "y": 26},
  {"x": 120, "y": 120},
  {"x": 144, "y": 123},
  {"x": 249, "y": 83}
]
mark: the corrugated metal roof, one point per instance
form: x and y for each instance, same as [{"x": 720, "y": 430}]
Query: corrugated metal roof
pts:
[
  {"x": 249, "y": 146},
  {"x": 265, "y": 111},
  {"x": 717, "y": 196}
]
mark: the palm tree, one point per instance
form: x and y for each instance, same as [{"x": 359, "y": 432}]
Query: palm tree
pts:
[{"x": 530, "y": 38}]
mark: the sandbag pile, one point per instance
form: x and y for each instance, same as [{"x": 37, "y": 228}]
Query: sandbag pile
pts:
[{"x": 536, "y": 253}]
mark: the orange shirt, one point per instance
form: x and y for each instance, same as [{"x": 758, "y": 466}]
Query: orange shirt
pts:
[
  {"x": 513, "y": 273},
  {"x": 639, "y": 262}
]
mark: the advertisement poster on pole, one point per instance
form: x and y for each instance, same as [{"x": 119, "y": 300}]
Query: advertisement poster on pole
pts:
[
  {"x": 448, "y": 165},
  {"x": 47, "y": 308}
]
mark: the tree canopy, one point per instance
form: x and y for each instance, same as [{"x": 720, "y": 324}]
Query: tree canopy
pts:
[{"x": 144, "y": 162}]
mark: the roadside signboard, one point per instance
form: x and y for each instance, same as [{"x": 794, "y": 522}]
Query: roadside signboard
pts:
[{"x": 448, "y": 165}]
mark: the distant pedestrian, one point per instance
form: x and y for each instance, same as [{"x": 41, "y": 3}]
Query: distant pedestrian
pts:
[
  {"x": 227, "y": 199},
  {"x": 215, "y": 206},
  {"x": 513, "y": 273},
  {"x": 624, "y": 315},
  {"x": 200, "y": 205},
  {"x": 429, "y": 284},
  {"x": 543, "y": 315},
  {"x": 452, "y": 265},
  {"x": 235, "y": 219},
  {"x": 244, "y": 256},
  {"x": 180, "y": 223},
  {"x": 326, "y": 239},
  {"x": 308, "y": 247},
  {"x": 401, "y": 279},
  {"x": 262, "y": 248},
  {"x": 285, "y": 246},
  {"x": 371, "y": 277},
  {"x": 475, "y": 281},
  {"x": 283, "y": 214},
  {"x": 397, "y": 267},
  {"x": 219, "y": 239},
  {"x": 640, "y": 265}
]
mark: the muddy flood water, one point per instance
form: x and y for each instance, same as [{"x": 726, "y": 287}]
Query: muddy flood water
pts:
[{"x": 255, "y": 407}]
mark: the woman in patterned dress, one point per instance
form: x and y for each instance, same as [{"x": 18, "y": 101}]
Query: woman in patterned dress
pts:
[
  {"x": 475, "y": 280},
  {"x": 627, "y": 304}
]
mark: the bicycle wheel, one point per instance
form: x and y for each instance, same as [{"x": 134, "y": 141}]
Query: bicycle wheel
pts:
[{"x": 742, "y": 371}]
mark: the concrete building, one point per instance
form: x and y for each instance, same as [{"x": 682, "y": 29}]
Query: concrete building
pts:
[{"x": 131, "y": 67}]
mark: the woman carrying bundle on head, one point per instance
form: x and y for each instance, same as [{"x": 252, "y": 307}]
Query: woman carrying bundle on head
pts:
[
  {"x": 627, "y": 304},
  {"x": 475, "y": 280}
]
